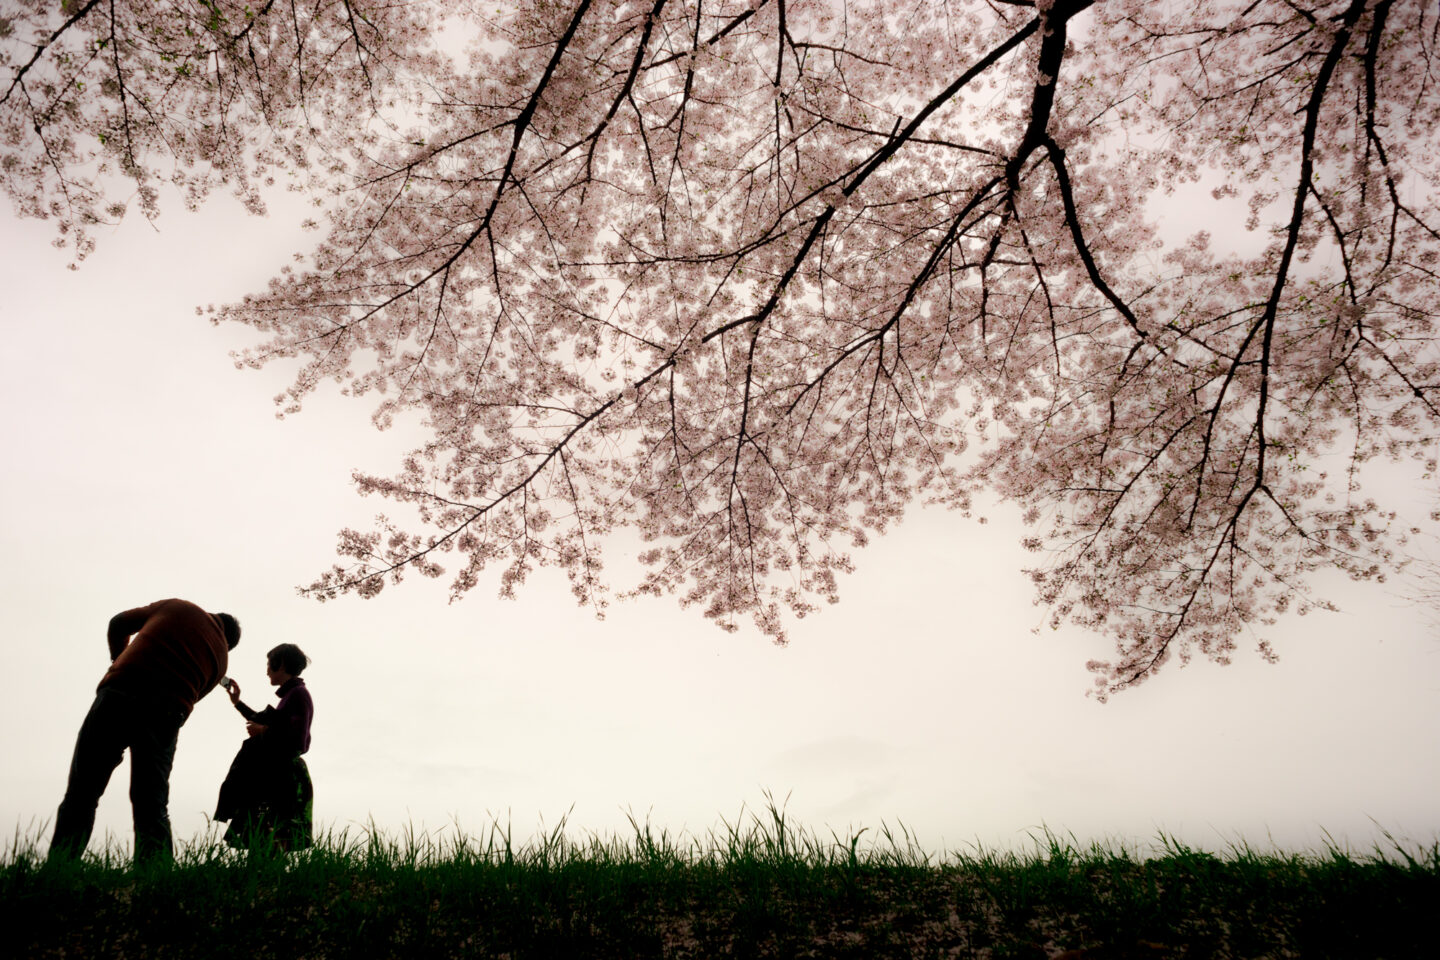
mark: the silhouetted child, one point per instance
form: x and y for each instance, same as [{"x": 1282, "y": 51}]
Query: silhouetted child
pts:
[{"x": 267, "y": 796}]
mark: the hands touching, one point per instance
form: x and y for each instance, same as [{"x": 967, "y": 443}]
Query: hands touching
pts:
[{"x": 252, "y": 728}]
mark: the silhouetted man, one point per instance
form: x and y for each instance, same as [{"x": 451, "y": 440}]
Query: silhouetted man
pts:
[{"x": 177, "y": 655}]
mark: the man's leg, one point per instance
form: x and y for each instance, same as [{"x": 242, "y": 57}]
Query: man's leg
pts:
[
  {"x": 152, "y": 754},
  {"x": 98, "y": 751}
]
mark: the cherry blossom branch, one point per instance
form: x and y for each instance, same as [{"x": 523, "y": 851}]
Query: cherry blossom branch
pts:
[{"x": 40, "y": 48}]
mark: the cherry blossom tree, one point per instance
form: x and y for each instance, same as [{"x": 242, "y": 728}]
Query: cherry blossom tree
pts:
[
  {"x": 752, "y": 277},
  {"x": 104, "y": 100}
]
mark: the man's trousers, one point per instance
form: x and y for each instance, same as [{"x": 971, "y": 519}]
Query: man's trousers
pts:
[{"x": 119, "y": 720}]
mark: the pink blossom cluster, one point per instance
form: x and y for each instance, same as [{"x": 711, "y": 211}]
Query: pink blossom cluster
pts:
[{"x": 753, "y": 278}]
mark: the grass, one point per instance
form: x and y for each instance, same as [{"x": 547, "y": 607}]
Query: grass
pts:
[{"x": 760, "y": 887}]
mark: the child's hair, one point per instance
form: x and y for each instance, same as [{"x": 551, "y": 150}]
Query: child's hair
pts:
[{"x": 289, "y": 658}]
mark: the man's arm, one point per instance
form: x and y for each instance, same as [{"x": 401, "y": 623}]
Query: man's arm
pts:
[{"x": 123, "y": 626}]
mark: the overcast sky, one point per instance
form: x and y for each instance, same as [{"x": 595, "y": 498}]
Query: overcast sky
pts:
[{"x": 139, "y": 464}]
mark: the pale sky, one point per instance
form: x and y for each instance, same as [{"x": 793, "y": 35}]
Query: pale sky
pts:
[{"x": 139, "y": 464}]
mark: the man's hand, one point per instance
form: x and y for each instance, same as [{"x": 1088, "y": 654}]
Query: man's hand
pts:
[
  {"x": 255, "y": 729},
  {"x": 234, "y": 691}
]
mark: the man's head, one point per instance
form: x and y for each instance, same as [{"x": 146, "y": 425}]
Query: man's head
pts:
[{"x": 232, "y": 629}]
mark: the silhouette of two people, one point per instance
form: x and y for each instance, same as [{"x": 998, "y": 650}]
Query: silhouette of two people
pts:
[{"x": 165, "y": 657}]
